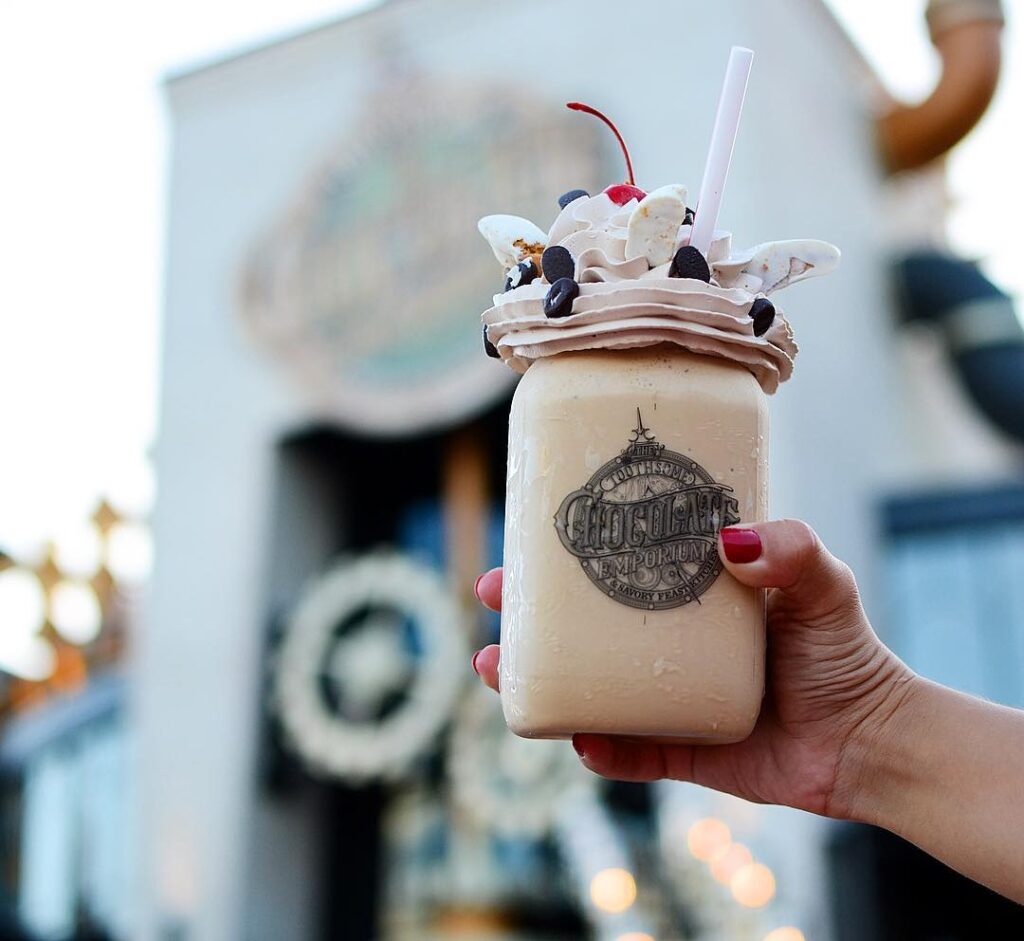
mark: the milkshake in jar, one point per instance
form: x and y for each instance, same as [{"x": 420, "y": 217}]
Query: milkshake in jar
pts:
[{"x": 638, "y": 431}]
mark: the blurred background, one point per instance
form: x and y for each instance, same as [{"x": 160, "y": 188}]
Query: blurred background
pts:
[{"x": 253, "y": 454}]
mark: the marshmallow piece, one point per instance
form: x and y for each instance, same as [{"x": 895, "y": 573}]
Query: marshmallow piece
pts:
[
  {"x": 512, "y": 238},
  {"x": 780, "y": 264},
  {"x": 654, "y": 224},
  {"x": 676, "y": 188}
]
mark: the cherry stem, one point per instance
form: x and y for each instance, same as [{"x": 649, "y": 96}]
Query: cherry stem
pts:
[{"x": 578, "y": 106}]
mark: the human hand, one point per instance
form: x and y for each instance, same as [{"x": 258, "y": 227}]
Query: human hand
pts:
[{"x": 831, "y": 685}]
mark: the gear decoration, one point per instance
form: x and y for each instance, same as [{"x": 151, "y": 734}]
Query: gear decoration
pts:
[
  {"x": 371, "y": 664},
  {"x": 511, "y": 785}
]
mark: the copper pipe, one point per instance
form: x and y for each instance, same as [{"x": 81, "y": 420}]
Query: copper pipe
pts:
[
  {"x": 911, "y": 136},
  {"x": 465, "y": 498}
]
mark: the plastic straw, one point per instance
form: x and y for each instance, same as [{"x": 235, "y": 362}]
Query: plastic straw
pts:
[{"x": 723, "y": 138}]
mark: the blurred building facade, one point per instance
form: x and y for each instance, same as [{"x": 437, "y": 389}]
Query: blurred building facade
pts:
[
  {"x": 66, "y": 771},
  {"x": 313, "y": 760}
]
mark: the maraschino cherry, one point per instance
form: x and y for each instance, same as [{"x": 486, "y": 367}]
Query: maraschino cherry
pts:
[{"x": 619, "y": 193}]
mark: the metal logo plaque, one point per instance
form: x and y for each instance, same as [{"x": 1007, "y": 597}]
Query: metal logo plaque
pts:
[
  {"x": 645, "y": 526},
  {"x": 370, "y": 289}
]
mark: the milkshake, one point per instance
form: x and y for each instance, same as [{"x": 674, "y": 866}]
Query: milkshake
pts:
[{"x": 638, "y": 431}]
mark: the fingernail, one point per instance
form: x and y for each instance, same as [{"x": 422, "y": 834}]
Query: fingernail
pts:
[
  {"x": 741, "y": 545},
  {"x": 578, "y": 747},
  {"x": 476, "y": 584},
  {"x": 473, "y": 663}
]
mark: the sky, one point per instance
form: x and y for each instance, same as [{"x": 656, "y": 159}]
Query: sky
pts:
[
  {"x": 81, "y": 232},
  {"x": 81, "y": 227}
]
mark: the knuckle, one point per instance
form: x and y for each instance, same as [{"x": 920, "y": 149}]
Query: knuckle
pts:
[
  {"x": 801, "y": 552},
  {"x": 805, "y": 540},
  {"x": 844, "y": 578},
  {"x": 815, "y": 565}
]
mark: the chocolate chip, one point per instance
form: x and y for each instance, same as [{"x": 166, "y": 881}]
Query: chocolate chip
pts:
[
  {"x": 560, "y": 296},
  {"x": 690, "y": 263},
  {"x": 523, "y": 273},
  {"x": 688, "y": 216},
  {"x": 558, "y": 263},
  {"x": 762, "y": 312},
  {"x": 571, "y": 197},
  {"x": 489, "y": 348}
]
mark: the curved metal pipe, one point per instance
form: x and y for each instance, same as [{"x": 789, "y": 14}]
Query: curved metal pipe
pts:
[{"x": 971, "y": 52}]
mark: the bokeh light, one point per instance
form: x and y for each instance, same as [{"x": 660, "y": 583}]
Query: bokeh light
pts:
[
  {"x": 77, "y": 550},
  {"x": 75, "y": 612},
  {"x": 22, "y": 614},
  {"x": 613, "y": 890},
  {"x": 706, "y": 837},
  {"x": 785, "y": 934},
  {"x": 753, "y": 885},
  {"x": 30, "y": 658},
  {"x": 129, "y": 552},
  {"x": 634, "y": 936},
  {"x": 728, "y": 860},
  {"x": 22, "y": 603}
]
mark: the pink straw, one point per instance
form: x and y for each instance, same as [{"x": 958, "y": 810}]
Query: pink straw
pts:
[{"x": 723, "y": 139}]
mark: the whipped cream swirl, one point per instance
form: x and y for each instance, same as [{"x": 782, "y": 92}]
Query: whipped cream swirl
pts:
[{"x": 624, "y": 302}]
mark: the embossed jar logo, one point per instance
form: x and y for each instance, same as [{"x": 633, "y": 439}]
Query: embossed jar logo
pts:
[{"x": 645, "y": 526}]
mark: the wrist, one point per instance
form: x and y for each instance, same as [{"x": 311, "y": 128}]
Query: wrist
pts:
[{"x": 875, "y": 765}]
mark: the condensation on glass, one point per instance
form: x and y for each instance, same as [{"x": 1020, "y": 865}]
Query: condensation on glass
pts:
[{"x": 617, "y": 614}]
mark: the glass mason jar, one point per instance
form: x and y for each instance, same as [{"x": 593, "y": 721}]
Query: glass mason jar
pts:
[{"x": 617, "y": 615}]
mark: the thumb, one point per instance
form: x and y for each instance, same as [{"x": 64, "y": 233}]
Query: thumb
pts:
[{"x": 788, "y": 555}]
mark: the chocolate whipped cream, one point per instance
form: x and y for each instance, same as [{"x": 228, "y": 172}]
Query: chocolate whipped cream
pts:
[{"x": 624, "y": 302}]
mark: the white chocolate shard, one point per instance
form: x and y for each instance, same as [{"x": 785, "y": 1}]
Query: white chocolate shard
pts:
[
  {"x": 780, "y": 264},
  {"x": 566, "y": 222},
  {"x": 654, "y": 224},
  {"x": 512, "y": 238},
  {"x": 595, "y": 211}
]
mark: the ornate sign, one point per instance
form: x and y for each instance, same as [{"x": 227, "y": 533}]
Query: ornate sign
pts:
[
  {"x": 370, "y": 667},
  {"x": 645, "y": 526},
  {"x": 370, "y": 290}
]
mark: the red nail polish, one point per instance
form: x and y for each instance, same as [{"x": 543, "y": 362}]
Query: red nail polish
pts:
[
  {"x": 476, "y": 584},
  {"x": 741, "y": 545},
  {"x": 473, "y": 663},
  {"x": 577, "y": 747}
]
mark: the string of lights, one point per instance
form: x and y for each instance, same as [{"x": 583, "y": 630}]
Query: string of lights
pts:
[
  {"x": 54, "y": 603},
  {"x": 601, "y": 868},
  {"x": 718, "y": 876}
]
